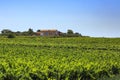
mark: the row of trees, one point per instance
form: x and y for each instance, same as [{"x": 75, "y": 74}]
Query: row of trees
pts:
[
  {"x": 70, "y": 33},
  {"x": 30, "y": 32},
  {"x": 6, "y": 32}
]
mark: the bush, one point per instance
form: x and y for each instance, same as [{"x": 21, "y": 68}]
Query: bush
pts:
[{"x": 11, "y": 36}]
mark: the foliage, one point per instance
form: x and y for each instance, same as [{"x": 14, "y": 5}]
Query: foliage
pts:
[
  {"x": 38, "y": 30},
  {"x": 6, "y": 32},
  {"x": 11, "y": 35},
  {"x": 33, "y": 58},
  {"x": 30, "y": 31},
  {"x": 70, "y": 31}
]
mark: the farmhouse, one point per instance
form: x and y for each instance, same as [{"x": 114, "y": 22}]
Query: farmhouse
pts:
[{"x": 48, "y": 33}]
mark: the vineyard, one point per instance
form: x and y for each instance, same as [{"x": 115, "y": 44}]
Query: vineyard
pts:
[{"x": 41, "y": 58}]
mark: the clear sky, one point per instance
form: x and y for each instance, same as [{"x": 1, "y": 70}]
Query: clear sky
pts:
[{"x": 98, "y": 18}]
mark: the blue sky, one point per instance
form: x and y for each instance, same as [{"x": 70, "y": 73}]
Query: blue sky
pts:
[{"x": 97, "y": 18}]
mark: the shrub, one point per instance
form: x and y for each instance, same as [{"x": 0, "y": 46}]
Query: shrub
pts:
[{"x": 11, "y": 36}]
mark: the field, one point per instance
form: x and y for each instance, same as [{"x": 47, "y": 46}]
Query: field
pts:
[{"x": 40, "y": 58}]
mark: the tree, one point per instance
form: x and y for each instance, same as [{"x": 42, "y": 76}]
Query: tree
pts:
[
  {"x": 30, "y": 31},
  {"x": 38, "y": 30},
  {"x": 77, "y": 34},
  {"x": 25, "y": 33},
  {"x": 70, "y": 31},
  {"x": 18, "y": 33},
  {"x": 6, "y": 31}
]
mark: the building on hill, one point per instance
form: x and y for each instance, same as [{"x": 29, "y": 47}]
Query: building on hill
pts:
[{"x": 48, "y": 33}]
